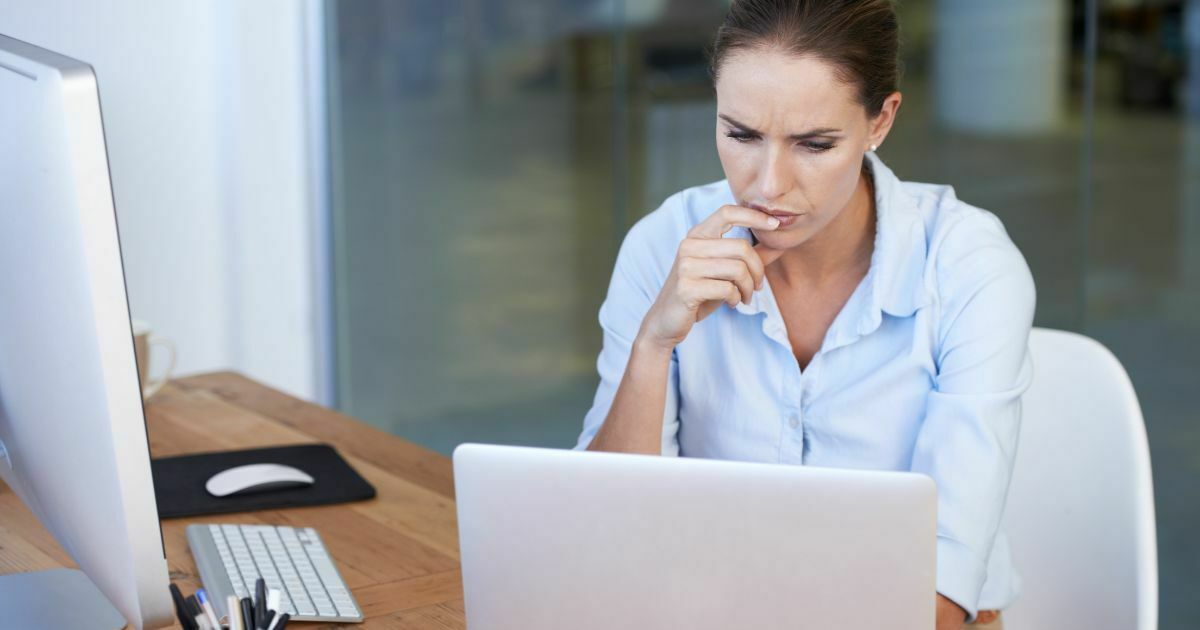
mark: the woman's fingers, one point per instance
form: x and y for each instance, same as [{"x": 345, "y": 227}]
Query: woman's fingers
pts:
[
  {"x": 709, "y": 270},
  {"x": 727, "y": 217},
  {"x": 697, "y": 291},
  {"x": 729, "y": 269},
  {"x": 732, "y": 248}
]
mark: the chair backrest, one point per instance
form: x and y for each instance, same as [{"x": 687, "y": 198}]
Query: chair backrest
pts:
[{"x": 1080, "y": 513}]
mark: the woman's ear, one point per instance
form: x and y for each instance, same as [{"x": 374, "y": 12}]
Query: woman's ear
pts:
[{"x": 881, "y": 124}]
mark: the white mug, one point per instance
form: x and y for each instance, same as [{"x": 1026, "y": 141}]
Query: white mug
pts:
[{"x": 143, "y": 341}]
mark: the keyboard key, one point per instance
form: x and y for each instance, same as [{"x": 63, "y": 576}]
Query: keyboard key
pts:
[{"x": 325, "y": 569}]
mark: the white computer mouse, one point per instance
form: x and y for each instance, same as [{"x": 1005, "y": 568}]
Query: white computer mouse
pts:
[{"x": 256, "y": 478}]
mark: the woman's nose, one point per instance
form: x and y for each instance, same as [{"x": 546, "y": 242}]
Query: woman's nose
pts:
[{"x": 776, "y": 177}]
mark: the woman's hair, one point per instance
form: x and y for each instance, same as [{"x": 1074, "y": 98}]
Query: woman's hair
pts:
[{"x": 859, "y": 38}]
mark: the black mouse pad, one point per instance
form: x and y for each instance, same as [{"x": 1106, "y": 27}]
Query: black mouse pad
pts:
[{"x": 179, "y": 481}]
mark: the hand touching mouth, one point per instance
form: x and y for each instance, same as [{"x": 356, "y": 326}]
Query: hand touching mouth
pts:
[{"x": 785, "y": 218}]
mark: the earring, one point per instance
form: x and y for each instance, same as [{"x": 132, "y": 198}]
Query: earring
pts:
[{"x": 874, "y": 146}]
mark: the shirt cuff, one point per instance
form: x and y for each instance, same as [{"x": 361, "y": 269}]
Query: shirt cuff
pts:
[{"x": 960, "y": 575}]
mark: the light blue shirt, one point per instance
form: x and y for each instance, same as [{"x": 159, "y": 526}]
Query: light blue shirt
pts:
[{"x": 922, "y": 370}]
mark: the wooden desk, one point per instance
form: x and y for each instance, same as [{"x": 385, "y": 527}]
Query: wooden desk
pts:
[{"x": 398, "y": 552}]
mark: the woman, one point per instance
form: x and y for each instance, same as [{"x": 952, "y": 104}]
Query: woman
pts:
[{"x": 812, "y": 308}]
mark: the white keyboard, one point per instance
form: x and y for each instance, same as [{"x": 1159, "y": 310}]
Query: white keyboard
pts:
[{"x": 291, "y": 560}]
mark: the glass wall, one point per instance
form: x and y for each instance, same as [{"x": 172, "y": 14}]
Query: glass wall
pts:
[
  {"x": 489, "y": 155},
  {"x": 1141, "y": 228}
]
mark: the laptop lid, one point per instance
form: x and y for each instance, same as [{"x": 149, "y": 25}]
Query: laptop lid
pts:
[{"x": 555, "y": 539}]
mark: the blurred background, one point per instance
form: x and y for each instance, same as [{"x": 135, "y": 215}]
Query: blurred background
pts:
[{"x": 409, "y": 209}]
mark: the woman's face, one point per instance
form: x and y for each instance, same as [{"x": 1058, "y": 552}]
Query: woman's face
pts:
[{"x": 791, "y": 136}]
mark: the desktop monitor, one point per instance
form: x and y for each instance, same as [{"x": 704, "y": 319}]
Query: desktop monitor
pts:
[{"x": 73, "y": 442}]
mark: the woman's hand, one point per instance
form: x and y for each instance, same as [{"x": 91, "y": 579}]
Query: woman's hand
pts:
[
  {"x": 709, "y": 270},
  {"x": 950, "y": 616}
]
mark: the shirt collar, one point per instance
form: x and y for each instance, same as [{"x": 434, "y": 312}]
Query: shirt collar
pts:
[
  {"x": 895, "y": 279},
  {"x": 898, "y": 263}
]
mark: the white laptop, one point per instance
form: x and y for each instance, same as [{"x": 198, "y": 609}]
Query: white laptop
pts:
[{"x": 554, "y": 539}]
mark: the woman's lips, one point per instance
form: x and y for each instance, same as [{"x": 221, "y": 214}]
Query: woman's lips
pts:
[{"x": 785, "y": 218}]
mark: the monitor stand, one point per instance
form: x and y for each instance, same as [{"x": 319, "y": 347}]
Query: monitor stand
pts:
[{"x": 59, "y": 598}]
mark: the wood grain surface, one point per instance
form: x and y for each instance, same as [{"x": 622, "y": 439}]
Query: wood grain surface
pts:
[{"x": 397, "y": 552}]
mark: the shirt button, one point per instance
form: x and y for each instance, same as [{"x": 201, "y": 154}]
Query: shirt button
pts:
[{"x": 794, "y": 422}]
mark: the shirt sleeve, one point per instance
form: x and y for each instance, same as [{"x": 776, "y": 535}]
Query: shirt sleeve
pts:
[
  {"x": 637, "y": 278},
  {"x": 968, "y": 440}
]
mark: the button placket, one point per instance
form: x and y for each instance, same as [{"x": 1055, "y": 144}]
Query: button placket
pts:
[{"x": 808, "y": 383}]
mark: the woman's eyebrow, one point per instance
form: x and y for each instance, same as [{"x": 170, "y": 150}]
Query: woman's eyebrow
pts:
[{"x": 820, "y": 131}]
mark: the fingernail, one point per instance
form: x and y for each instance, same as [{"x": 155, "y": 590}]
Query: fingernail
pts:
[{"x": 773, "y": 222}]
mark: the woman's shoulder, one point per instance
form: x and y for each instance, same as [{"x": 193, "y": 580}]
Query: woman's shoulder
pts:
[
  {"x": 967, "y": 246},
  {"x": 684, "y": 209},
  {"x": 655, "y": 237}
]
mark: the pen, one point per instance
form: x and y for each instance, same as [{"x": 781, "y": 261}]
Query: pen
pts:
[
  {"x": 181, "y": 609},
  {"x": 235, "y": 613},
  {"x": 202, "y": 597},
  {"x": 266, "y": 620},
  {"x": 280, "y": 622},
  {"x": 274, "y": 600},
  {"x": 247, "y": 614},
  {"x": 195, "y": 613},
  {"x": 260, "y": 602}
]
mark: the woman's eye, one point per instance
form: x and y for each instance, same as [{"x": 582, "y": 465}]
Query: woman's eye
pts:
[{"x": 815, "y": 147}]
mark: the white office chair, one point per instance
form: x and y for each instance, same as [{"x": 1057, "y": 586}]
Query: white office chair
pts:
[{"x": 1080, "y": 512}]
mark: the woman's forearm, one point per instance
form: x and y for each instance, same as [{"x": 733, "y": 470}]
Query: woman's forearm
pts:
[{"x": 635, "y": 420}]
